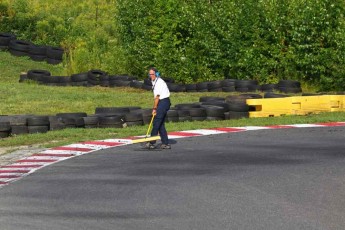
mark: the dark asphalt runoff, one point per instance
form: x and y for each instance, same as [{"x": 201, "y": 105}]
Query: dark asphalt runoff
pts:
[{"x": 265, "y": 179}]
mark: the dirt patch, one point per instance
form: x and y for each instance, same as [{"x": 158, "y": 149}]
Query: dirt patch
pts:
[{"x": 9, "y": 155}]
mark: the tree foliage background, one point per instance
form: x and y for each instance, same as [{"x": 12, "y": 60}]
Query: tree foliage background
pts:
[{"x": 192, "y": 40}]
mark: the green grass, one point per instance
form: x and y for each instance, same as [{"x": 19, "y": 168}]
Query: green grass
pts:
[{"x": 24, "y": 98}]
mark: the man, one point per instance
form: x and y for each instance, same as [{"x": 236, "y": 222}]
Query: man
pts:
[{"x": 161, "y": 106}]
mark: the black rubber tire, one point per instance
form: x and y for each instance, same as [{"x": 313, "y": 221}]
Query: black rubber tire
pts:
[
  {"x": 18, "y": 53},
  {"x": 38, "y": 121},
  {"x": 36, "y": 74},
  {"x": 208, "y": 98},
  {"x": 119, "y": 83},
  {"x": 183, "y": 113},
  {"x": 4, "y": 134},
  {"x": 176, "y": 87},
  {"x": 184, "y": 118},
  {"x": 136, "y": 84},
  {"x": 229, "y": 89},
  {"x": 112, "y": 110},
  {"x": 217, "y": 103},
  {"x": 215, "y": 118},
  {"x": 19, "y": 119},
  {"x": 117, "y": 126},
  {"x": 238, "y": 107},
  {"x": 172, "y": 113},
  {"x": 91, "y": 121},
  {"x": 228, "y": 83},
  {"x": 79, "y": 122},
  {"x": 5, "y": 126},
  {"x": 55, "y": 53},
  {"x": 214, "y": 85},
  {"x": 19, "y": 129},
  {"x": 5, "y": 39},
  {"x": 112, "y": 120},
  {"x": 38, "y": 50},
  {"x": 274, "y": 95},
  {"x": 187, "y": 106},
  {"x": 37, "y": 57},
  {"x": 191, "y": 88},
  {"x": 79, "y": 77},
  {"x": 202, "y": 87},
  {"x": 236, "y": 115},
  {"x": 79, "y": 84},
  {"x": 197, "y": 112},
  {"x": 172, "y": 119},
  {"x": 3, "y": 48},
  {"x": 134, "y": 123},
  {"x": 38, "y": 129},
  {"x": 71, "y": 115},
  {"x": 53, "y": 61},
  {"x": 214, "y": 111},
  {"x": 268, "y": 87},
  {"x": 20, "y": 45},
  {"x": 289, "y": 90},
  {"x": 23, "y": 77},
  {"x": 129, "y": 117},
  {"x": 96, "y": 75},
  {"x": 56, "y": 125},
  {"x": 198, "y": 118}
]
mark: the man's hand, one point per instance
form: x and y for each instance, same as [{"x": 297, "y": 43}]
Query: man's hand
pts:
[{"x": 154, "y": 112}]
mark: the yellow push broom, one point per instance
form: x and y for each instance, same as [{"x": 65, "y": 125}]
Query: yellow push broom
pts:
[{"x": 147, "y": 138}]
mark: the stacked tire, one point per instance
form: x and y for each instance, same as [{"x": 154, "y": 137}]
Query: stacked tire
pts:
[
  {"x": 38, "y": 75},
  {"x": 19, "y": 48},
  {"x": 37, "y": 52},
  {"x": 289, "y": 86},
  {"x": 5, "y": 129},
  {"x": 121, "y": 80},
  {"x": 54, "y": 55},
  {"x": 72, "y": 120},
  {"x": 38, "y": 124},
  {"x": 97, "y": 77},
  {"x": 5, "y": 39},
  {"x": 80, "y": 79}
]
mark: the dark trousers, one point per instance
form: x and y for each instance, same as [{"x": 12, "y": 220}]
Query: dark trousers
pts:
[{"x": 158, "y": 121}]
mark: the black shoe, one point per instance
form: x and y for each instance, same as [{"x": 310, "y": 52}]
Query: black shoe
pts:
[{"x": 164, "y": 146}]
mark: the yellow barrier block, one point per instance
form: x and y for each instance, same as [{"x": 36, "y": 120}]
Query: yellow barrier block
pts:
[{"x": 300, "y": 105}]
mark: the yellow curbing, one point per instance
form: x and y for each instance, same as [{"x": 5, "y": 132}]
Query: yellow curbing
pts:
[{"x": 298, "y": 105}]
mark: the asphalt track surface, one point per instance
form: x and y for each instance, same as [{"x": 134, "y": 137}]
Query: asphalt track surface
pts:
[{"x": 263, "y": 179}]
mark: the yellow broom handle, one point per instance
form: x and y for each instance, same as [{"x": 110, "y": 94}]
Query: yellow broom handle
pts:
[{"x": 150, "y": 125}]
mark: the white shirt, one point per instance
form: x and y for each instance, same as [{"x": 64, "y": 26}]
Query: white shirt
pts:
[{"x": 160, "y": 88}]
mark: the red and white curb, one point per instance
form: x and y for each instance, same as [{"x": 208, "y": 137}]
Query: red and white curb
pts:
[{"x": 28, "y": 165}]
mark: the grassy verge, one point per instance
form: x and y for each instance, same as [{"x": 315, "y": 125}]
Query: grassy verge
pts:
[{"x": 23, "y": 98}]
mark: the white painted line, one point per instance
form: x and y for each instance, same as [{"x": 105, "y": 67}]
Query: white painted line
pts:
[
  {"x": 206, "y": 131},
  {"x": 306, "y": 125},
  {"x": 175, "y": 136},
  {"x": 94, "y": 147},
  {"x": 122, "y": 141},
  {"x": 53, "y": 151},
  {"x": 249, "y": 128},
  {"x": 44, "y": 158}
]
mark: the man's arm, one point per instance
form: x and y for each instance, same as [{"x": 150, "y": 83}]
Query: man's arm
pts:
[{"x": 155, "y": 105}]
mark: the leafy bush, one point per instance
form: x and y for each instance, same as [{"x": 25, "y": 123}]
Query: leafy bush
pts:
[{"x": 191, "y": 41}]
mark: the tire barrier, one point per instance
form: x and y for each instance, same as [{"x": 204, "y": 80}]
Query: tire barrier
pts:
[
  {"x": 208, "y": 108},
  {"x": 101, "y": 78},
  {"x": 20, "y": 48}
]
